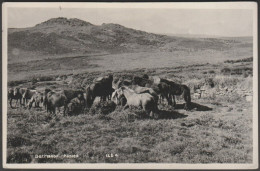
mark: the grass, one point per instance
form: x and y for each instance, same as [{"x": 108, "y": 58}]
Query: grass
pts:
[
  {"x": 202, "y": 137},
  {"x": 218, "y": 129}
]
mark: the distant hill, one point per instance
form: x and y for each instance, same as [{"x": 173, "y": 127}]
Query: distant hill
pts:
[{"x": 59, "y": 36}]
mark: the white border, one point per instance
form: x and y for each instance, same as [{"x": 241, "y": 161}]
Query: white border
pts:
[{"x": 178, "y": 5}]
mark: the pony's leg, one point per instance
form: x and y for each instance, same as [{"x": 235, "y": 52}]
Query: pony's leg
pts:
[
  {"x": 10, "y": 102},
  {"x": 154, "y": 114},
  {"x": 187, "y": 101},
  {"x": 161, "y": 98},
  {"x": 53, "y": 110},
  {"x": 174, "y": 102},
  {"x": 151, "y": 114},
  {"x": 48, "y": 107},
  {"x": 169, "y": 100},
  {"x": 16, "y": 102},
  {"x": 65, "y": 109}
]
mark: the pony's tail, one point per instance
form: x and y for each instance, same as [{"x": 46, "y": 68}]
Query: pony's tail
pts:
[
  {"x": 187, "y": 98},
  {"x": 155, "y": 111}
]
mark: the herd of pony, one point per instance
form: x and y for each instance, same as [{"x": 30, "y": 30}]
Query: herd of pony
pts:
[{"x": 145, "y": 92}]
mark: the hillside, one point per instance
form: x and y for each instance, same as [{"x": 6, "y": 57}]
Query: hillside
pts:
[
  {"x": 59, "y": 36},
  {"x": 62, "y": 35}
]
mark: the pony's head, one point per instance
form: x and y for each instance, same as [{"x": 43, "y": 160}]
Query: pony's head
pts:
[
  {"x": 114, "y": 97},
  {"x": 16, "y": 91},
  {"x": 10, "y": 90},
  {"x": 46, "y": 91},
  {"x": 117, "y": 96}
]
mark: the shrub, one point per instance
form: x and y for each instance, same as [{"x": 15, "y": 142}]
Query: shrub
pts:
[
  {"x": 226, "y": 81},
  {"x": 226, "y": 71},
  {"x": 212, "y": 72},
  {"x": 102, "y": 108},
  {"x": 210, "y": 82},
  {"x": 34, "y": 80},
  {"x": 46, "y": 78},
  {"x": 250, "y": 59}
]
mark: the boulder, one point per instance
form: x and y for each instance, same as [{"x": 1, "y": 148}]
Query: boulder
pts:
[{"x": 249, "y": 98}]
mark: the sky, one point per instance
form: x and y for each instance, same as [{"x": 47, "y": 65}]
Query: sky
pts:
[{"x": 215, "y": 22}]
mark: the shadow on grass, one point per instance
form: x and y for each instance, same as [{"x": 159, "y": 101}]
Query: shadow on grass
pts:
[
  {"x": 195, "y": 106},
  {"x": 19, "y": 158},
  {"x": 200, "y": 107},
  {"x": 164, "y": 114},
  {"x": 16, "y": 141},
  {"x": 161, "y": 114}
]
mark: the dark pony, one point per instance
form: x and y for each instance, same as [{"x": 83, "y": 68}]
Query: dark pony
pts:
[
  {"x": 177, "y": 90},
  {"x": 101, "y": 87},
  {"x": 14, "y": 94}
]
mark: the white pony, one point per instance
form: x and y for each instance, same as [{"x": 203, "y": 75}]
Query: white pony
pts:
[{"x": 145, "y": 100}]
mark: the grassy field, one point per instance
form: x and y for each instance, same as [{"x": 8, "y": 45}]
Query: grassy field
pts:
[
  {"x": 218, "y": 129},
  {"x": 23, "y": 65}
]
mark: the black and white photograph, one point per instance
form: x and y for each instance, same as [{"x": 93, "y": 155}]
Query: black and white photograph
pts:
[{"x": 130, "y": 85}]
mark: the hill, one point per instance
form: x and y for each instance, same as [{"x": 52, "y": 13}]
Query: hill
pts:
[{"x": 59, "y": 36}]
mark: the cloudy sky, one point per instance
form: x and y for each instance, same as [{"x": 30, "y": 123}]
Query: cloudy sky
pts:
[{"x": 218, "y": 22}]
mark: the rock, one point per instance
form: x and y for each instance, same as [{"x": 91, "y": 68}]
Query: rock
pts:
[
  {"x": 239, "y": 110},
  {"x": 197, "y": 95},
  {"x": 229, "y": 109},
  {"x": 249, "y": 98},
  {"x": 58, "y": 79}
]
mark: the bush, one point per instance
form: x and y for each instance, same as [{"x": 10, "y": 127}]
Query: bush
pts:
[
  {"x": 212, "y": 72},
  {"x": 210, "y": 82},
  {"x": 34, "y": 80},
  {"x": 226, "y": 71},
  {"x": 226, "y": 81},
  {"x": 250, "y": 59},
  {"x": 102, "y": 108},
  {"x": 46, "y": 78}
]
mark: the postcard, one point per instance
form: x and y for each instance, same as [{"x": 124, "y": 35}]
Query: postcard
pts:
[{"x": 130, "y": 85}]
